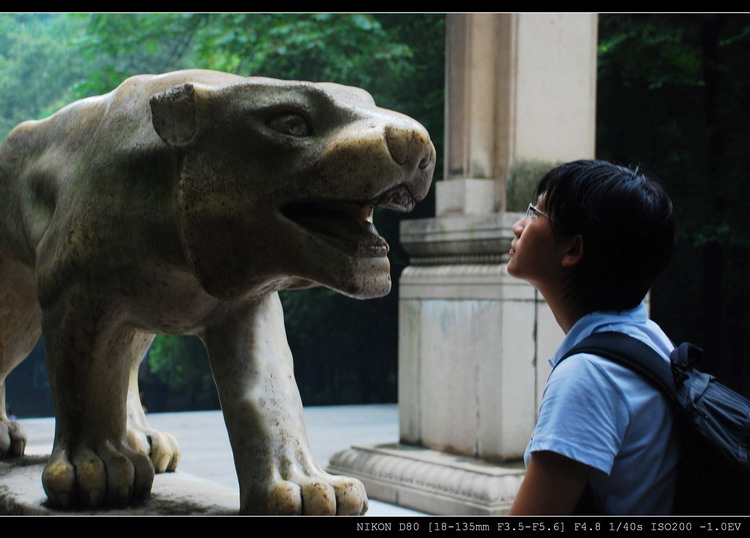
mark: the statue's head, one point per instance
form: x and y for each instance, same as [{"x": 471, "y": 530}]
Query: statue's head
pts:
[{"x": 279, "y": 180}]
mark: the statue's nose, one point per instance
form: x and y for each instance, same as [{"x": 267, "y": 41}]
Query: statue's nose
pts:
[{"x": 410, "y": 147}]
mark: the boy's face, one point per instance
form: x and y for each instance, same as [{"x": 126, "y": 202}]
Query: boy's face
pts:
[{"x": 535, "y": 255}]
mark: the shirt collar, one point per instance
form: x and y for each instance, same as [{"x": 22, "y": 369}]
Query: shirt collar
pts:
[{"x": 599, "y": 322}]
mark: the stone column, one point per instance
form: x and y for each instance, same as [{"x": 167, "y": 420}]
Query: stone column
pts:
[{"x": 473, "y": 341}]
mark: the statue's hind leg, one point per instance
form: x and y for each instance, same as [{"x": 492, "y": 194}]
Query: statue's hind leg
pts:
[
  {"x": 90, "y": 352},
  {"x": 161, "y": 447},
  {"x": 20, "y": 326}
]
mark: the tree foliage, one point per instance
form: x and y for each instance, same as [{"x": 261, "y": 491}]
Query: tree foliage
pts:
[
  {"x": 39, "y": 66},
  {"x": 397, "y": 58},
  {"x": 178, "y": 362},
  {"x": 674, "y": 95},
  {"x": 673, "y": 90},
  {"x": 177, "y": 365},
  {"x": 123, "y": 45}
]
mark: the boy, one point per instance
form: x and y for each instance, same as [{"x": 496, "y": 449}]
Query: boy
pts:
[{"x": 593, "y": 244}]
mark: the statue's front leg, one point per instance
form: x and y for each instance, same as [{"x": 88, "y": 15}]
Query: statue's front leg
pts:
[
  {"x": 89, "y": 355},
  {"x": 262, "y": 408}
]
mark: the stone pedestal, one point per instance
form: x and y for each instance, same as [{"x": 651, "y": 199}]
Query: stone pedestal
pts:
[
  {"x": 473, "y": 342},
  {"x": 431, "y": 481},
  {"x": 457, "y": 324},
  {"x": 173, "y": 494}
]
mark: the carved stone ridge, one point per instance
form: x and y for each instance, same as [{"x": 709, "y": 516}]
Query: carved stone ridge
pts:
[
  {"x": 429, "y": 480},
  {"x": 459, "y": 239}
]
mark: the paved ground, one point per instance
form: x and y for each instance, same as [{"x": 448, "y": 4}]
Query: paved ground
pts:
[{"x": 205, "y": 446}]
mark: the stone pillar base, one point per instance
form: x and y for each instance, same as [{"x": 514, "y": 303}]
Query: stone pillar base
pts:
[{"x": 431, "y": 481}]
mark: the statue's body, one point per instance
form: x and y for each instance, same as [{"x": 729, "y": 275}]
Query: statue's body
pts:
[{"x": 180, "y": 204}]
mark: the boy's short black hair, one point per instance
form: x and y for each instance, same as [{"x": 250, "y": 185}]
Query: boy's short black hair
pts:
[{"x": 626, "y": 220}]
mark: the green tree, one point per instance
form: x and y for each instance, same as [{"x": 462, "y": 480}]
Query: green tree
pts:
[
  {"x": 39, "y": 66},
  {"x": 179, "y": 364},
  {"x": 397, "y": 58},
  {"x": 122, "y": 45},
  {"x": 673, "y": 95}
]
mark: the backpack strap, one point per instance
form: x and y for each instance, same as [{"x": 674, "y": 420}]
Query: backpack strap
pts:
[
  {"x": 638, "y": 357},
  {"x": 631, "y": 353}
]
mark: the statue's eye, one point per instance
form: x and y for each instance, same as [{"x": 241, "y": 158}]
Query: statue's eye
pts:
[{"x": 290, "y": 124}]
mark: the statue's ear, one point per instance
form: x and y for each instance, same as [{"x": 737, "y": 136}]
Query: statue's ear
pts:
[{"x": 173, "y": 114}]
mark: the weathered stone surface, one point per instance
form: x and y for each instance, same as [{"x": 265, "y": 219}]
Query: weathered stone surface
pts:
[
  {"x": 180, "y": 204},
  {"x": 430, "y": 480},
  {"x": 177, "y": 493}
]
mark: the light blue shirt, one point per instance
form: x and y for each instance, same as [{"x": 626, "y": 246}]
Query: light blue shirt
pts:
[{"x": 606, "y": 416}]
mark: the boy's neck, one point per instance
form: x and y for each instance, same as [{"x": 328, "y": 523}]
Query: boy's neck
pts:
[{"x": 566, "y": 315}]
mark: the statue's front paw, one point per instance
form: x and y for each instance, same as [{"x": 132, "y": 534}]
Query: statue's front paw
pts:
[
  {"x": 161, "y": 447},
  {"x": 105, "y": 473},
  {"x": 324, "y": 495},
  {"x": 12, "y": 439}
]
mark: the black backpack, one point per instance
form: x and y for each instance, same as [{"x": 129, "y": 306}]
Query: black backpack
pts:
[{"x": 713, "y": 474}]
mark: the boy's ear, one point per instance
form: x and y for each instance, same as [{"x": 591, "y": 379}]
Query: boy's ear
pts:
[{"x": 574, "y": 251}]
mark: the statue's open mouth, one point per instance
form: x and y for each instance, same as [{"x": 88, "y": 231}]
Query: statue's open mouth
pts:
[{"x": 348, "y": 225}]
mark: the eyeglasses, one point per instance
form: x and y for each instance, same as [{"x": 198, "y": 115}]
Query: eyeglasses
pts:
[{"x": 532, "y": 212}]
